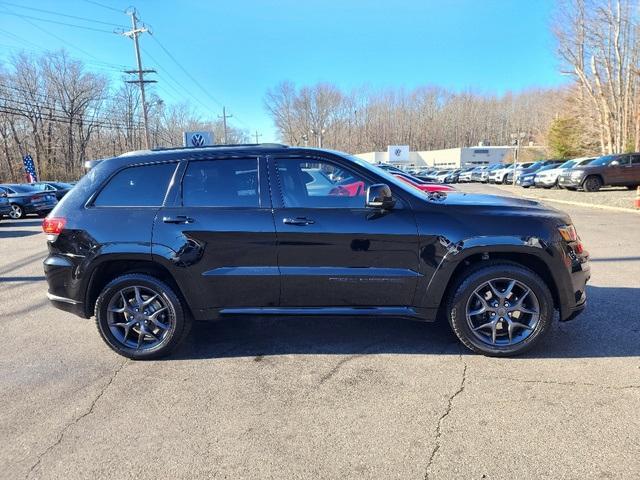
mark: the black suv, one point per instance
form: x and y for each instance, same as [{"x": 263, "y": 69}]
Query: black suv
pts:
[
  {"x": 150, "y": 241},
  {"x": 609, "y": 170}
]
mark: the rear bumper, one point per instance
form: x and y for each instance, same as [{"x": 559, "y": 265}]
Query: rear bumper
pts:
[
  {"x": 65, "y": 291},
  {"x": 38, "y": 207}
]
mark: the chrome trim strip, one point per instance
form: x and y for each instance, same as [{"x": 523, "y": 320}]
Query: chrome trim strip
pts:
[{"x": 56, "y": 298}]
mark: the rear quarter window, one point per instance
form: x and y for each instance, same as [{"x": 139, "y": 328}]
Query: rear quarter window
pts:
[{"x": 140, "y": 186}]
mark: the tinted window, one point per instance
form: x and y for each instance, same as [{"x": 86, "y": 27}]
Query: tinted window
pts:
[
  {"x": 635, "y": 159},
  {"x": 320, "y": 184},
  {"x": 143, "y": 186},
  {"x": 221, "y": 183}
]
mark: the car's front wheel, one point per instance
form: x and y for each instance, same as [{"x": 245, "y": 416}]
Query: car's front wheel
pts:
[
  {"x": 500, "y": 309},
  {"x": 16, "y": 211},
  {"x": 592, "y": 184},
  {"x": 141, "y": 317}
]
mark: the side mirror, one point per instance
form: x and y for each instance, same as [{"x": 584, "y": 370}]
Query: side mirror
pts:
[
  {"x": 379, "y": 196},
  {"x": 615, "y": 163}
]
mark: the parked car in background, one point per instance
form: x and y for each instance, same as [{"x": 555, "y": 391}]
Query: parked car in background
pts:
[
  {"x": 441, "y": 175},
  {"x": 499, "y": 175},
  {"x": 5, "y": 206},
  {"x": 60, "y": 189},
  {"x": 25, "y": 199},
  {"x": 466, "y": 176},
  {"x": 609, "y": 170},
  {"x": 476, "y": 175},
  {"x": 528, "y": 179},
  {"x": 424, "y": 186},
  {"x": 453, "y": 176},
  {"x": 234, "y": 230},
  {"x": 548, "y": 178},
  {"x": 484, "y": 175},
  {"x": 532, "y": 168}
]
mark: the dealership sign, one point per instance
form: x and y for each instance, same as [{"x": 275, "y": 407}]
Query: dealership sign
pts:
[
  {"x": 398, "y": 153},
  {"x": 198, "y": 139}
]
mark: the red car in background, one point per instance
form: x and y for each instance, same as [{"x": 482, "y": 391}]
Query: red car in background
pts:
[
  {"x": 358, "y": 188},
  {"x": 424, "y": 186}
]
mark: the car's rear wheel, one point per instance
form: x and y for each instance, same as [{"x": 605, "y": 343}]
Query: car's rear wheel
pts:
[
  {"x": 592, "y": 184},
  {"x": 141, "y": 317},
  {"x": 16, "y": 211},
  {"x": 500, "y": 309}
]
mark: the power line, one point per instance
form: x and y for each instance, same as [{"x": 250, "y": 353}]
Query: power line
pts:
[
  {"x": 54, "y": 35},
  {"x": 50, "y": 12},
  {"x": 39, "y": 19},
  {"x": 191, "y": 77},
  {"x": 105, "y": 6},
  {"x": 59, "y": 119}
]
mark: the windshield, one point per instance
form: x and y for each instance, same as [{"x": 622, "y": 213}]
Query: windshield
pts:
[
  {"x": 606, "y": 160},
  {"x": 548, "y": 167},
  {"x": 568, "y": 164}
]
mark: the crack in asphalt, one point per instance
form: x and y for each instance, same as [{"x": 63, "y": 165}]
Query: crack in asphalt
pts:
[
  {"x": 566, "y": 384},
  {"x": 446, "y": 413},
  {"x": 76, "y": 420},
  {"x": 341, "y": 363}
]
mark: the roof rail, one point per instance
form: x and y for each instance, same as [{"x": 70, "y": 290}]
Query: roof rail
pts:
[{"x": 259, "y": 145}]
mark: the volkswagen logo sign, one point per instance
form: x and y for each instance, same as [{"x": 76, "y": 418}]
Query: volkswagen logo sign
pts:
[
  {"x": 197, "y": 140},
  {"x": 397, "y": 152}
]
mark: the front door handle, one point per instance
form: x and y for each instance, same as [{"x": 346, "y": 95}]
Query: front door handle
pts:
[
  {"x": 178, "y": 219},
  {"x": 302, "y": 221}
]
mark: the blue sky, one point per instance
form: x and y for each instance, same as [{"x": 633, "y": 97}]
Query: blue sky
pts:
[{"x": 238, "y": 49}]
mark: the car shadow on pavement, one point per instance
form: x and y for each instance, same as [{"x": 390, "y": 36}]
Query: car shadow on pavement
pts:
[
  {"x": 4, "y": 233},
  {"x": 609, "y": 328},
  {"x": 21, "y": 223}
]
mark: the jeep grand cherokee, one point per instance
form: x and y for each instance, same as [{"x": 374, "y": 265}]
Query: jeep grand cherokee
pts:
[{"x": 150, "y": 241}]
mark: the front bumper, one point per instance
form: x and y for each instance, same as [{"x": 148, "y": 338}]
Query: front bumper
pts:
[
  {"x": 570, "y": 182},
  {"x": 571, "y": 284},
  {"x": 544, "y": 182}
]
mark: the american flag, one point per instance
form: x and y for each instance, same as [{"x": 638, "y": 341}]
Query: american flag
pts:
[{"x": 30, "y": 169}]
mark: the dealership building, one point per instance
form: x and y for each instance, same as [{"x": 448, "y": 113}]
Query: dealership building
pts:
[{"x": 401, "y": 156}]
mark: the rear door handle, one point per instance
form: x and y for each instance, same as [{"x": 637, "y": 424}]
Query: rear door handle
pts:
[
  {"x": 178, "y": 219},
  {"x": 302, "y": 221}
]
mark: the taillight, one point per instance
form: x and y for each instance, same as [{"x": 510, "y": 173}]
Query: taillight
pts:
[
  {"x": 53, "y": 226},
  {"x": 568, "y": 233}
]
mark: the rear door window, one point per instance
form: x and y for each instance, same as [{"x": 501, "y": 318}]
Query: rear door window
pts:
[
  {"x": 221, "y": 183},
  {"x": 141, "y": 186}
]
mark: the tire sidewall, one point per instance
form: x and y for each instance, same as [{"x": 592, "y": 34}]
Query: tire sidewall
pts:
[
  {"x": 589, "y": 187},
  {"x": 169, "y": 297},
  {"x": 458, "y": 303}
]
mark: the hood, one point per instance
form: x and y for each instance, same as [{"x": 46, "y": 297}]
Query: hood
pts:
[{"x": 498, "y": 204}]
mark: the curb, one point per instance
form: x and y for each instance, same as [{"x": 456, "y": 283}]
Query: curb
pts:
[{"x": 582, "y": 204}]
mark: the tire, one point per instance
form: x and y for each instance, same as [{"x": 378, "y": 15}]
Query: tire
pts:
[
  {"x": 632, "y": 187},
  {"x": 462, "y": 302},
  {"x": 166, "y": 309},
  {"x": 504, "y": 179},
  {"x": 16, "y": 211},
  {"x": 592, "y": 184}
]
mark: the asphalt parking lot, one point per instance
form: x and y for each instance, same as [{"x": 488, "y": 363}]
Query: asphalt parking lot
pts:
[{"x": 331, "y": 398}]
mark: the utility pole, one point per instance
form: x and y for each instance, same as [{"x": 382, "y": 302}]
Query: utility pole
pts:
[
  {"x": 224, "y": 123},
  {"x": 258, "y": 135},
  {"x": 133, "y": 34}
]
